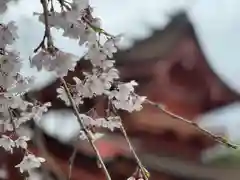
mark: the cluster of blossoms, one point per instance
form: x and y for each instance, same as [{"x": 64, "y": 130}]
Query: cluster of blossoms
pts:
[
  {"x": 76, "y": 20},
  {"x": 14, "y": 110}
]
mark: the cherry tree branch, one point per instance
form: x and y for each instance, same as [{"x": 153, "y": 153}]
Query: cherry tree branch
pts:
[
  {"x": 87, "y": 132},
  {"x": 47, "y": 28},
  {"x": 216, "y": 138},
  {"x": 138, "y": 161},
  {"x": 75, "y": 109},
  {"x": 71, "y": 161}
]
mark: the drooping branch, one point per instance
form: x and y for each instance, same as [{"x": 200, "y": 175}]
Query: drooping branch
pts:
[
  {"x": 85, "y": 130},
  {"x": 216, "y": 138},
  {"x": 143, "y": 170}
]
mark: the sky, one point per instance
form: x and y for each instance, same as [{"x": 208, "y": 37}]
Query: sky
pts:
[{"x": 217, "y": 23}]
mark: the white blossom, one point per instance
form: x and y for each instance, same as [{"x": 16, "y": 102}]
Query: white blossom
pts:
[
  {"x": 99, "y": 83},
  {"x": 124, "y": 97},
  {"x": 110, "y": 122},
  {"x": 22, "y": 85},
  {"x": 22, "y": 142},
  {"x": 96, "y": 22},
  {"x": 82, "y": 135},
  {"x": 34, "y": 175},
  {"x": 7, "y": 143},
  {"x": 35, "y": 113},
  {"x": 55, "y": 19},
  {"x": 18, "y": 103},
  {"x": 109, "y": 48},
  {"x": 95, "y": 55},
  {"x": 77, "y": 22},
  {"x": 58, "y": 61},
  {"x": 30, "y": 162},
  {"x": 70, "y": 21},
  {"x": 74, "y": 31},
  {"x": 10, "y": 66},
  {"x": 62, "y": 63},
  {"x": 88, "y": 36},
  {"x": 7, "y": 34},
  {"x": 63, "y": 95}
]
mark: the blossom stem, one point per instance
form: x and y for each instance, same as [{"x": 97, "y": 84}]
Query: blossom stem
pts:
[
  {"x": 71, "y": 162},
  {"x": 218, "y": 139},
  {"x": 47, "y": 27},
  {"x": 138, "y": 161},
  {"x": 12, "y": 121},
  {"x": 87, "y": 132},
  {"x": 140, "y": 165}
]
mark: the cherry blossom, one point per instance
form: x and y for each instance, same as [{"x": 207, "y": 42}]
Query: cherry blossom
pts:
[
  {"x": 36, "y": 113},
  {"x": 34, "y": 175},
  {"x": 22, "y": 142},
  {"x": 7, "y": 143},
  {"x": 109, "y": 47},
  {"x": 7, "y": 34},
  {"x": 77, "y": 22},
  {"x": 18, "y": 103},
  {"x": 57, "y": 61},
  {"x": 23, "y": 84},
  {"x": 82, "y": 135},
  {"x": 124, "y": 97},
  {"x": 10, "y": 65},
  {"x": 30, "y": 162},
  {"x": 109, "y": 122},
  {"x": 63, "y": 95}
]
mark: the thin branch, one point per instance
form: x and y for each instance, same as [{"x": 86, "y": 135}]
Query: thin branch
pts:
[
  {"x": 218, "y": 139},
  {"x": 47, "y": 27},
  {"x": 87, "y": 132},
  {"x": 75, "y": 110},
  {"x": 71, "y": 161},
  {"x": 12, "y": 121},
  {"x": 138, "y": 161}
]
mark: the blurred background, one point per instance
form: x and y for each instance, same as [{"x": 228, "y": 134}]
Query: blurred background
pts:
[{"x": 184, "y": 54}]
